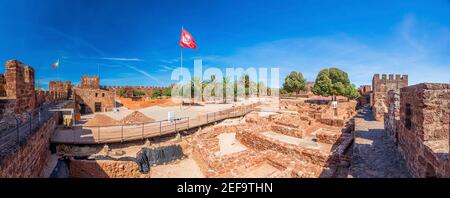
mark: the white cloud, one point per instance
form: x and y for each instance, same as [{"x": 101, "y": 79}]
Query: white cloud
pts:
[{"x": 121, "y": 59}]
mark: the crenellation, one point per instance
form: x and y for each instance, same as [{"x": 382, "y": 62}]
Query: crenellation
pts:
[
  {"x": 90, "y": 97},
  {"x": 391, "y": 78},
  {"x": 19, "y": 85},
  {"x": 380, "y": 89}
]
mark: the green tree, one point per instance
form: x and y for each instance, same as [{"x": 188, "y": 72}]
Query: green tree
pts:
[
  {"x": 225, "y": 82},
  {"x": 156, "y": 93},
  {"x": 333, "y": 81},
  {"x": 352, "y": 92},
  {"x": 167, "y": 91},
  {"x": 138, "y": 93},
  {"x": 294, "y": 82},
  {"x": 126, "y": 92},
  {"x": 260, "y": 88},
  {"x": 322, "y": 86}
]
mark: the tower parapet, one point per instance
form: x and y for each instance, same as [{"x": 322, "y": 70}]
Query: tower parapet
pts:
[
  {"x": 90, "y": 82},
  {"x": 381, "y": 87}
]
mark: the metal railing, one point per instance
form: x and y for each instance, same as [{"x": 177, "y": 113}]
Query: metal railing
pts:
[
  {"x": 16, "y": 129},
  {"x": 141, "y": 131}
]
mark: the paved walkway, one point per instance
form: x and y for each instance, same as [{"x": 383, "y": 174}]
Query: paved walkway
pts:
[{"x": 374, "y": 154}]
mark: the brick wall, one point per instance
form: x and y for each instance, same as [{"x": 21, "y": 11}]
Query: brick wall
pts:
[
  {"x": 423, "y": 129},
  {"x": 29, "y": 160}
]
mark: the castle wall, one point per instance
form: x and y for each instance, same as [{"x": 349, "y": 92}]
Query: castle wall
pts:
[
  {"x": 2, "y": 85},
  {"x": 147, "y": 90},
  {"x": 392, "y": 117},
  {"x": 89, "y": 93},
  {"x": 60, "y": 90},
  {"x": 89, "y": 97},
  {"x": 29, "y": 160},
  {"x": 41, "y": 97},
  {"x": 423, "y": 129},
  {"x": 90, "y": 82},
  {"x": 20, "y": 85},
  {"x": 380, "y": 88}
]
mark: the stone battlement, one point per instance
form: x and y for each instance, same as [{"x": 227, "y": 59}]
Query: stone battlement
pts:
[
  {"x": 90, "y": 82},
  {"x": 389, "y": 81},
  {"x": 60, "y": 90},
  {"x": 18, "y": 83},
  {"x": 381, "y": 87},
  {"x": 384, "y": 77}
]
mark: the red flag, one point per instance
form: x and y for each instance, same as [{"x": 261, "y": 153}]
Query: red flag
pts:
[
  {"x": 187, "y": 40},
  {"x": 56, "y": 64}
]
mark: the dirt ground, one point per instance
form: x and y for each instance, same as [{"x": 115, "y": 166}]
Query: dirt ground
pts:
[
  {"x": 186, "y": 168},
  {"x": 139, "y": 104},
  {"x": 229, "y": 145}
]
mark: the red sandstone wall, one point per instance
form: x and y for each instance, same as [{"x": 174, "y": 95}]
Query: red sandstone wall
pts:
[
  {"x": 392, "y": 117},
  {"x": 424, "y": 143},
  {"x": 20, "y": 85},
  {"x": 2, "y": 86},
  {"x": 90, "y": 96},
  {"x": 60, "y": 90},
  {"x": 90, "y": 82},
  {"x": 29, "y": 160},
  {"x": 380, "y": 89},
  {"x": 105, "y": 169}
]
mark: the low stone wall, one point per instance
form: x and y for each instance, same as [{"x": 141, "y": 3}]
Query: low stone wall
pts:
[
  {"x": 288, "y": 130},
  {"x": 30, "y": 158},
  {"x": 105, "y": 169},
  {"x": 258, "y": 141},
  {"x": 328, "y": 137}
]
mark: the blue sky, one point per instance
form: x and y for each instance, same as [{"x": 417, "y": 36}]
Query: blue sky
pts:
[{"x": 136, "y": 42}]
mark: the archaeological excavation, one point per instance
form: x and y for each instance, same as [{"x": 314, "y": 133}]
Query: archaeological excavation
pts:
[
  {"x": 84, "y": 131},
  {"x": 228, "y": 96}
]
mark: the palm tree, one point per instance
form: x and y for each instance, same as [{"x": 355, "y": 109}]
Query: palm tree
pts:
[
  {"x": 211, "y": 82},
  {"x": 225, "y": 82},
  {"x": 196, "y": 87},
  {"x": 260, "y": 87}
]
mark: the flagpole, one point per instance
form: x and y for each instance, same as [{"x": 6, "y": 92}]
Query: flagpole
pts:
[
  {"x": 57, "y": 71},
  {"x": 181, "y": 68}
]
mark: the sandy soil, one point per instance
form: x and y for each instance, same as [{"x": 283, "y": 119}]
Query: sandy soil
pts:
[
  {"x": 186, "y": 168},
  {"x": 136, "y": 117},
  {"x": 229, "y": 145},
  {"x": 101, "y": 120},
  {"x": 135, "y": 105},
  {"x": 261, "y": 171},
  {"x": 291, "y": 140}
]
